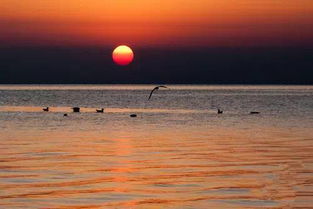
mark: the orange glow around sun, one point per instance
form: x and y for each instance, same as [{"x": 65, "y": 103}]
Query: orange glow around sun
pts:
[
  {"x": 142, "y": 23},
  {"x": 123, "y": 55}
]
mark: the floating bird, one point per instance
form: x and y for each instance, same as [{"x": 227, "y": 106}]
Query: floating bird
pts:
[
  {"x": 155, "y": 88},
  {"x": 133, "y": 115},
  {"x": 254, "y": 112},
  {"x": 219, "y": 111},
  {"x": 46, "y": 109},
  {"x": 76, "y": 109},
  {"x": 65, "y": 115},
  {"x": 100, "y": 110}
]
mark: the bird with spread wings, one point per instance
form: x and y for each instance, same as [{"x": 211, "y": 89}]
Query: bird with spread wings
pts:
[{"x": 155, "y": 88}]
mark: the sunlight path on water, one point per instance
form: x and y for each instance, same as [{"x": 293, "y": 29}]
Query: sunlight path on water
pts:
[{"x": 178, "y": 153}]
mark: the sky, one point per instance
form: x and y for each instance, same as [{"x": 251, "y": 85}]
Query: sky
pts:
[
  {"x": 150, "y": 23},
  {"x": 174, "y": 41}
]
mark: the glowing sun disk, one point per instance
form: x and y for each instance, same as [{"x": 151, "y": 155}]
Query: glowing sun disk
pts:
[{"x": 123, "y": 55}]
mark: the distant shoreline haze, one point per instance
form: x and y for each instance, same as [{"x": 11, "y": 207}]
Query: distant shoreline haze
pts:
[{"x": 94, "y": 65}]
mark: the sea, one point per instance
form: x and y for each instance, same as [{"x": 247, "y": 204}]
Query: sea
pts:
[{"x": 178, "y": 153}]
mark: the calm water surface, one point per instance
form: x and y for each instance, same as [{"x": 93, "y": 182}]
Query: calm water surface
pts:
[{"x": 178, "y": 153}]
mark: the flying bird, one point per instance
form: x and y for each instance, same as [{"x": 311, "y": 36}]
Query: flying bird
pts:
[{"x": 155, "y": 88}]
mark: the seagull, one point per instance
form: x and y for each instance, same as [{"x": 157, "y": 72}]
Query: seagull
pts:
[
  {"x": 155, "y": 88},
  {"x": 46, "y": 109},
  {"x": 100, "y": 110},
  {"x": 76, "y": 109}
]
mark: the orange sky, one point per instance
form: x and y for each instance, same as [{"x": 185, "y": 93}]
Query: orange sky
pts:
[{"x": 157, "y": 22}]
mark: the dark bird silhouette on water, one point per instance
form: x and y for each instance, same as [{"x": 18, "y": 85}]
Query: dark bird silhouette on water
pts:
[
  {"x": 76, "y": 109},
  {"x": 133, "y": 115},
  {"x": 254, "y": 112},
  {"x": 219, "y": 111},
  {"x": 46, "y": 109},
  {"x": 65, "y": 115},
  {"x": 100, "y": 110},
  {"x": 155, "y": 88}
]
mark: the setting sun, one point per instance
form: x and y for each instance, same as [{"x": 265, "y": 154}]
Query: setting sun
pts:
[{"x": 123, "y": 55}]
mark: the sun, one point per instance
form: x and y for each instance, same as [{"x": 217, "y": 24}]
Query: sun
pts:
[{"x": 123, "y": 55}]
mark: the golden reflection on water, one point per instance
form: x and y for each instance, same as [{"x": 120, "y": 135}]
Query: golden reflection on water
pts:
[
  {"x": 191, "y": 167},
  {"x": 177, "y": 154},
  {"x": 93, "y": 110}
]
